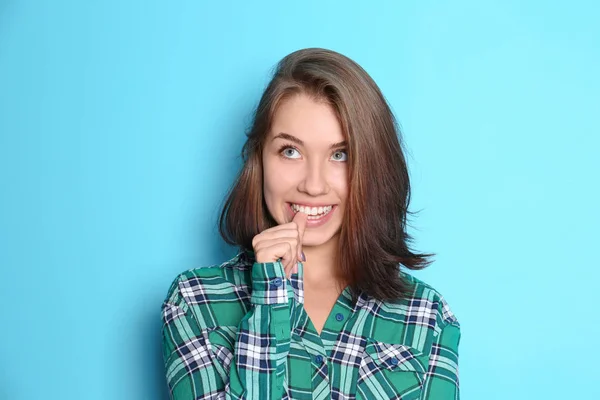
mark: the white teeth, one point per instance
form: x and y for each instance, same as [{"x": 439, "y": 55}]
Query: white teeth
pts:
[{"x": 312, "y": 211}]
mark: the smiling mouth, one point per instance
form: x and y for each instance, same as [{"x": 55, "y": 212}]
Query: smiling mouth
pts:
[{"x": 312, "y": 212}]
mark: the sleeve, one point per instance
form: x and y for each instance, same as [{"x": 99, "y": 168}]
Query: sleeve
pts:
[
  {"x": 441, "y": 380},
  {"x": 258, "y": 363}
]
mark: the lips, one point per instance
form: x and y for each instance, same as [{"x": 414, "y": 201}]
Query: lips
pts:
[
  {"x": 311, "y": 211},
  {"x": 314, "y": 221}
]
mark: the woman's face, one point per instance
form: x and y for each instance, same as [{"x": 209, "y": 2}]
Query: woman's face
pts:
[{"x": 305, "y": 167}]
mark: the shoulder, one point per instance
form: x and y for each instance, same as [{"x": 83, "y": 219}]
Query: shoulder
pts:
[
  {"x": 198, "y": 286},
  {"x": 425, "y": 297},
  {"x": 416, "y": 320}
]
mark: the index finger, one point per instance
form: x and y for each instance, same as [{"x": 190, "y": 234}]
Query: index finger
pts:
[{"x": 300, "y": 219}]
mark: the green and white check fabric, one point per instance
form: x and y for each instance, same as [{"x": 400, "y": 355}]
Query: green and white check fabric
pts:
[{"x": 239, "y": 331}]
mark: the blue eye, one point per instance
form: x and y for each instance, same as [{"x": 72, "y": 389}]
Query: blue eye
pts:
[
  {"x": 288, "y": 152},
  {"x": 340, "y": 155}
]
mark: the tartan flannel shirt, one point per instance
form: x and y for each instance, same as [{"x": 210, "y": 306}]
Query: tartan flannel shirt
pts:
[{"x": 239, "y": 331}]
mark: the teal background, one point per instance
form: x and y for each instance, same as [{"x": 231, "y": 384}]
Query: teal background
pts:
[{"x": 121, "y": 124}]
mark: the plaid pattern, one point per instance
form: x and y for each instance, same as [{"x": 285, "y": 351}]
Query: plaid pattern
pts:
[{"x": 239, "y": 331}]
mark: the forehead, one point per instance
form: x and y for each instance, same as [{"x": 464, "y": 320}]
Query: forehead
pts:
[{"x": 314, "y": 122}]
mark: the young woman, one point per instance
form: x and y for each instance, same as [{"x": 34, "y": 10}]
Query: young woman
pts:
[{"x": 316, "y": 304}]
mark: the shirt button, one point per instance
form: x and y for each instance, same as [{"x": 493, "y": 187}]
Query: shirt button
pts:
[
  {"x": 394, "y": 361},
  {"x": 339, "y": 316},
  {"x": 319, "y": 359},
  {"x": 276, "y": 282}
]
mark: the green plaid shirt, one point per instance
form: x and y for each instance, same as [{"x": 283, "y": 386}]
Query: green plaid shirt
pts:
[{"x": 239, "y": 331}]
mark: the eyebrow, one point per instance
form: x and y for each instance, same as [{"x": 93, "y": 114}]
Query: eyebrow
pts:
[{"x": 292, "y": 138}]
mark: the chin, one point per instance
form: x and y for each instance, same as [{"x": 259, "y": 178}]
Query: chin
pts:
[{"x": 313, "y": 239}]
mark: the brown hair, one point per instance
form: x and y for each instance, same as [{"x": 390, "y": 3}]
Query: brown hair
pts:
[{"x": 373, "y": 237}]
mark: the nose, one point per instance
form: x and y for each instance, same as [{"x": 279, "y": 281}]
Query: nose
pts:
[{"x": 315, "y": 179}]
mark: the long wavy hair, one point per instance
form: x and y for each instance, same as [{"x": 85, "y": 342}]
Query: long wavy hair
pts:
[{"x": 374, "y": 242}]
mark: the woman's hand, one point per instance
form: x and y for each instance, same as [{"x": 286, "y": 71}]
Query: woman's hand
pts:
[{"x": 282, "y": 242}]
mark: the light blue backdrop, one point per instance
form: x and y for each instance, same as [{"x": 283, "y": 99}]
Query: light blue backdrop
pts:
[{"x": 121, "y": 124}]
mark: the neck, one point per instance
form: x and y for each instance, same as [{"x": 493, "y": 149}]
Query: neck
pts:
[{"x": 321, "y": 268}]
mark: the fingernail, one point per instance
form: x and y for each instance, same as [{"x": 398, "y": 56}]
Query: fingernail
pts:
[{"x": 303, "y": 256}]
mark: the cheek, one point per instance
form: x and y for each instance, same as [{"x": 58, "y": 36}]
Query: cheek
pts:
[
  {"x": 276, "y": 181},
  {"x": 339, "y": 183}
]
